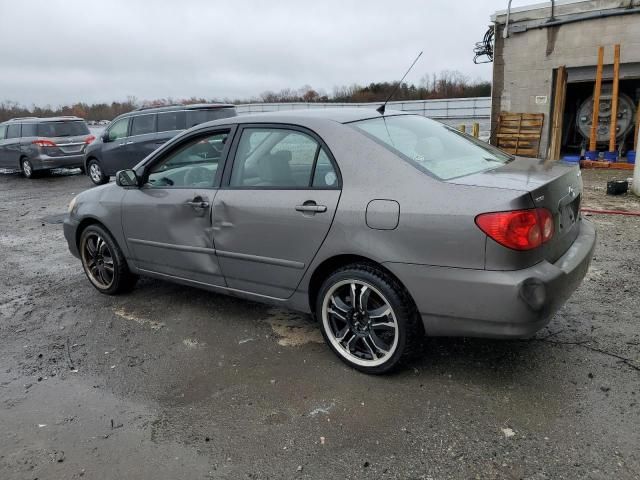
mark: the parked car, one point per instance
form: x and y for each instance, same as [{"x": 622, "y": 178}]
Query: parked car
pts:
[
  {"x": 134, "y": 135},
  {"x": 37, "y": 145},
  {"x": 386, "y": 228}
]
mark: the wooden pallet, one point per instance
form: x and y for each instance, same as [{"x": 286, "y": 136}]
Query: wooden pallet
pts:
[
  {"x": 519, "y": 133},
  {"x": 610, "y": 165}
]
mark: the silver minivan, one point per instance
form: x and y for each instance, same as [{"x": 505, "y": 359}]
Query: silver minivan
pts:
[{"x": 37, "y": 145}]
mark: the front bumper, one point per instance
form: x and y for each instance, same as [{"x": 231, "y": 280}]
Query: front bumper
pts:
[
  {"x": 496, "y": 304},
  {"x": 70, "y": 227},
  {"x": 44, "y": 162}
]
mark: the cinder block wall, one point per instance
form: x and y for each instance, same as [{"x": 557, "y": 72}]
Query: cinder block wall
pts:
[{"x": 524, "y": 63}]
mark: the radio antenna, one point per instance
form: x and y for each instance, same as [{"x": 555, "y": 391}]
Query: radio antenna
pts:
[{"x": 382, "y": 108}]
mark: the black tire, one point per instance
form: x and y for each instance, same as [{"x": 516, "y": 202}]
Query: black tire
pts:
[
  {"x": 377, "y": 337},
  {"x": 94, "y": 170},
  {"x": 26, "y": 166},
  {"x": 96, "y": 258}
]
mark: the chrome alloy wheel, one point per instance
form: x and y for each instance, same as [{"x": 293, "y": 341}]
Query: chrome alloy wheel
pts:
[
  {"x": 98, "y": 261},
  {"x": 95, "y": 173},
  {"x": 360, "y": 323}
]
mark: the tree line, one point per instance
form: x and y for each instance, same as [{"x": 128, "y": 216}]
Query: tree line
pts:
[{"x": 447, "y": 84}]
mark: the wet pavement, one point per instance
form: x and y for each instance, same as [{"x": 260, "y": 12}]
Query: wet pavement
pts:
[{"x": 171, "y": 382}]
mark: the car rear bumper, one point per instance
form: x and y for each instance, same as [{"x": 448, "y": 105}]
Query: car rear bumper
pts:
[
  {"x": 44, "y": 162},
  {"x": 70, "y": 227},
  {"x": 496, "y": 304}
]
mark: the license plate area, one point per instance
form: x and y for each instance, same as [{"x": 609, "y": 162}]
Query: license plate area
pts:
[{"x": 570, "y": 213}]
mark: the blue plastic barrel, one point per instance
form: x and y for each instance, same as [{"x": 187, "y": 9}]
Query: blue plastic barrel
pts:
[
  {"x": 631, "y": 156},
  {"x": 592, "y": 155},
  {"x": 611, "y": 156}
]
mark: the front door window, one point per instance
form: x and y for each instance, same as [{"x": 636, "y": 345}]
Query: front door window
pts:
[{"x": 194, "y": 165}]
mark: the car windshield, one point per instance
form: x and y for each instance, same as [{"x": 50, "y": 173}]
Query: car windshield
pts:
[
  {"x": 433, "y": 147},
  {"x": 62, "y": 129}
]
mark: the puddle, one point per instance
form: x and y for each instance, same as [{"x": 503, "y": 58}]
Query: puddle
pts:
[{"x": 293, "y": 328}]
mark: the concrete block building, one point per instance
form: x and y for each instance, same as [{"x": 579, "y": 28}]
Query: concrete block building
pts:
[{"x": 533, "y": 42}]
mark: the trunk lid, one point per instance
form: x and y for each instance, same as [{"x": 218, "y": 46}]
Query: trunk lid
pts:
[
  {"x": 557, "y": 187},
  {"x": 69, "y": 136}
]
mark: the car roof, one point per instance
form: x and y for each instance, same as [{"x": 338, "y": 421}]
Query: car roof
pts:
[
  {"x": 45, "y": 119},
  {"x": 308, "y": 117},
  {"x": 171, "y": 108}
]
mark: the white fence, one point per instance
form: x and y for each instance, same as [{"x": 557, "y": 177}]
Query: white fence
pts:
[{"x": 454, "y": 111}]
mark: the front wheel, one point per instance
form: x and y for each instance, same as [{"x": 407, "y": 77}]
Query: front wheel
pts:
[
  {"x": 95, "y": 172},
  {"x": 368, "y": 319},
  {"x": 103, "y": 262}
]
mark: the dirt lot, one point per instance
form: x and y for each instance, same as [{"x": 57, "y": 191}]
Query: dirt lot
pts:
[{"x": 175, "y": 383}]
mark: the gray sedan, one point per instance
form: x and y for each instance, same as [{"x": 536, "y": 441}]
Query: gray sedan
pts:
[{"x": 386, "y": 228}]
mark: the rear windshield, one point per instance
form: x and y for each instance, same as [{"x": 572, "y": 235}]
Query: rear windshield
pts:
[
  {"x": 196, "y": 117},
  {"x": 62, "y": 129},
  {"x": 433, "y": 147}
]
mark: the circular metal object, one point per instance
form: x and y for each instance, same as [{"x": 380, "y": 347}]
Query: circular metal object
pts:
[
  {"x": 360, "y": 323},
  {"x": 97, "y": 260},
  {"x": 625, "y": 120}
]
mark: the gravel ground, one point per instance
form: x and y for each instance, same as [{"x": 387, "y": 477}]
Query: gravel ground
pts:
[{"x": 170, "y": 382}]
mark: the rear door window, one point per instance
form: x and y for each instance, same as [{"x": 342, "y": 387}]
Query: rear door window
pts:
[
  {"x": 170, "y": 121},
  {"x": 119, "y": 129},
  {"x": 143, "y": 124},
  {"x": 196, "y": 117},
  {"x": 29, "y": 130},
  {"x": 13, "y": 131},
  {"x": 62, "y": 129},
  {"x": 277, "y": 158}
]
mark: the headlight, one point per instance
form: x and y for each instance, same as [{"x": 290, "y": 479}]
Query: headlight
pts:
[{"x": 72, "y": 204}]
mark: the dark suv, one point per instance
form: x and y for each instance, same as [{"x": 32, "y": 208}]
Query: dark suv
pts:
[
  {"x": 134, "y": 135},
  {"x": 36, "y": 145}
]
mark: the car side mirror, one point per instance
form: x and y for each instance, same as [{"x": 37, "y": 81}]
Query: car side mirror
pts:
[
  {"x": 105, "y": 137},
  {"x": 127, "y": 178}
]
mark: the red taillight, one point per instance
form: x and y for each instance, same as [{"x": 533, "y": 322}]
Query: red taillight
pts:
[
  {"x": 44, "y": 143},
  {"x": 519, "y": 229},
  {"x": 89, "y": 139}
]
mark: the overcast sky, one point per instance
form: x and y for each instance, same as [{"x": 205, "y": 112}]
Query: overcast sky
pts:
[{"x": 60, "y": 51}]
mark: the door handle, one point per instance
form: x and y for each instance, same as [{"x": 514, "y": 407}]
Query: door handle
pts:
[
  {"x": 198, "y": 204},
  {"x": 311, "y": 208}
]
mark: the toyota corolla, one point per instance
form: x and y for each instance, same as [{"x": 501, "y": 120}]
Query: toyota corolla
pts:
[{"x": 386, "y": 228}]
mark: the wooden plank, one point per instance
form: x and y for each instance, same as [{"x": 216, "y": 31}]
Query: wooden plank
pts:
[
  {"x": 635, "y": 138},
  {"x": 613, "y": 131},
  {"x": 558, "y": 114},
  {"x": 595, "y": 119}
]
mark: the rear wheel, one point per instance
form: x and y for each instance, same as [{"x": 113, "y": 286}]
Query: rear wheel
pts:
[
  {"x": 27, "y": 168},
  {"x": 368, "y": 319},
  {"x": 95, "y": 172},
  {"x": 103, "y": 262}
]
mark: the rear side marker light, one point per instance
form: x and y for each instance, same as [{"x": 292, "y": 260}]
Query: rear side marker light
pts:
[
  {"x": 518, "y": 229},
  {"x": 44, "y": 143}
]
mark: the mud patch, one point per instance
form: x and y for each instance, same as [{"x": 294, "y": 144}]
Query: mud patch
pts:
[
  {"x": 293, "y": 328},
  {"x": 152, "y": 324}
]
